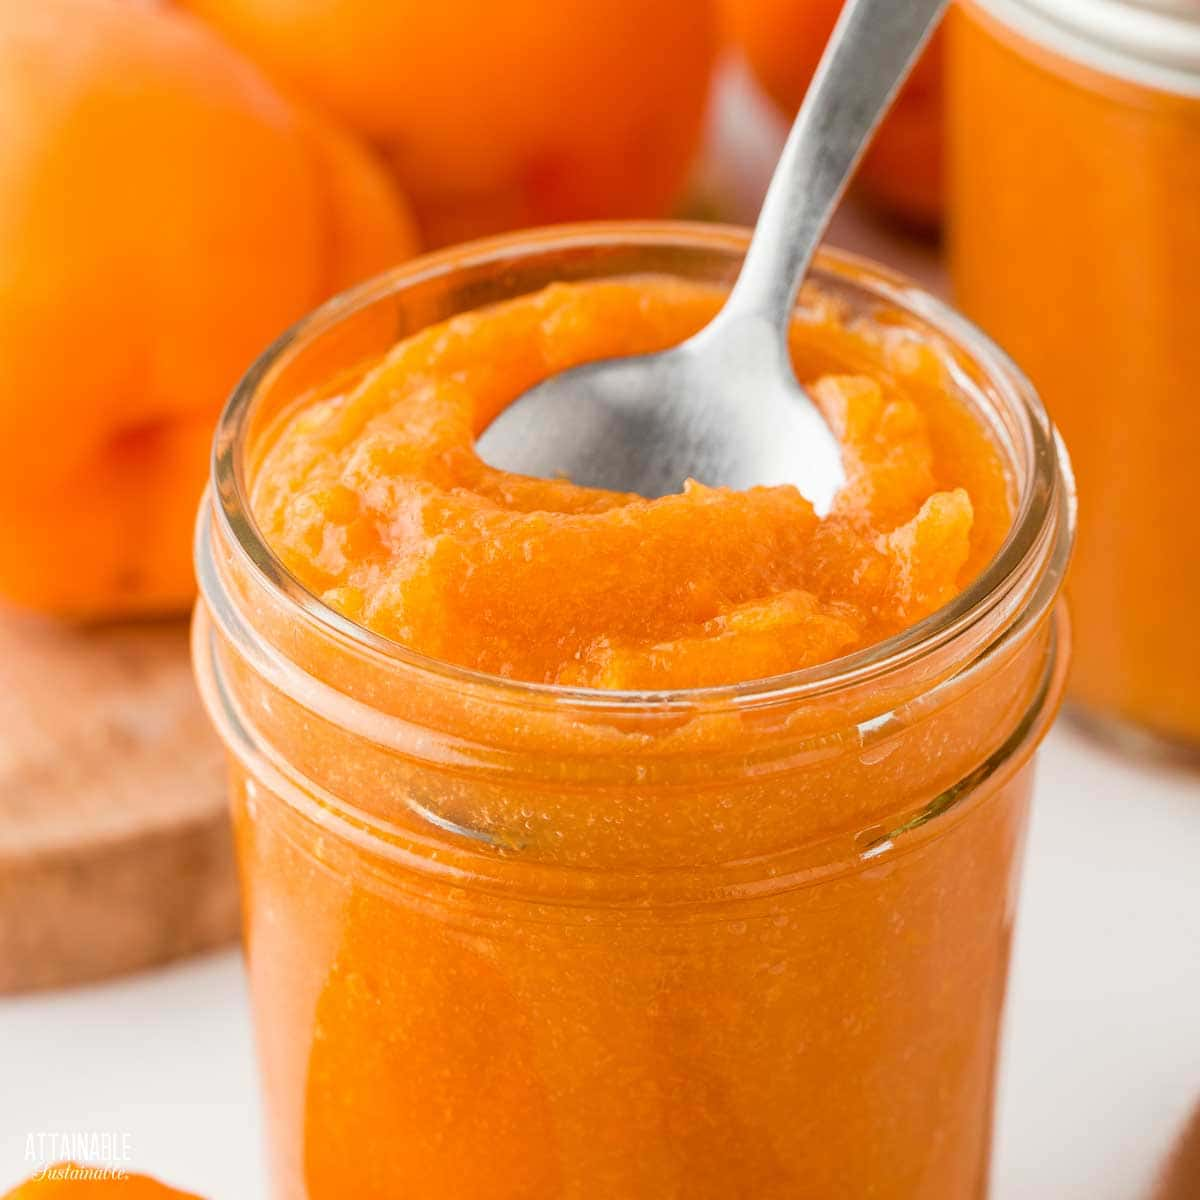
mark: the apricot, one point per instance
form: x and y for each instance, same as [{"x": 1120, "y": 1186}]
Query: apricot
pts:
[
  {"x": 70, "y": 1181},
  {"x": 902, "y": 171},
  {"x": 164, "y": 213},
  {"x": 501, "y": 115}
]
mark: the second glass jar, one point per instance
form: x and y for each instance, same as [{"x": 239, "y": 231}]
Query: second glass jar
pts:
[{"x": 1075, "y": 235}]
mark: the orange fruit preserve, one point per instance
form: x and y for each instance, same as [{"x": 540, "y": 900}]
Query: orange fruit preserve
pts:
[
  {"x": 597, "y": 846},
  {"x": 375, "y": 498}
]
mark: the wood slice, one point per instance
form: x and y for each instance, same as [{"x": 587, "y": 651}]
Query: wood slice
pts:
[
  {"x": 115, "y": 848},
  {"x": 1180, "y": 1179}
]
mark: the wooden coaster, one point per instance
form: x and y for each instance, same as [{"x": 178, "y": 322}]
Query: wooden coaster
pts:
[
  {"x": 1180, "y": 1179},
  {"x": 114, "y": 840}
]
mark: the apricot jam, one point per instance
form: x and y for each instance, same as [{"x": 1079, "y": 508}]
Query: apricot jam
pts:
[
  {"x": 376, "y": 501},
  {"x": 593, "y": 846},
  {"x": 1076, "y": 244}
]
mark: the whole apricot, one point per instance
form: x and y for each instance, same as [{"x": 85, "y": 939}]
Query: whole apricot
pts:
[
  {"x": 499, "y": 115},
  {"x": 902, "y": 171},
  {"x": 164, "y": 212},
  {"x": 70, "y": 1181}
]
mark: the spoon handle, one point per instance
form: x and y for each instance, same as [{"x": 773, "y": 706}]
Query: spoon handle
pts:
[{"x": 869, "y": 55}]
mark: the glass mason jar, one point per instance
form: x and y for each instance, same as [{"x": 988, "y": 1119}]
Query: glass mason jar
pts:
[
  {"x": 1075, "y": 242},
  {"x": 509, "y": 940}
]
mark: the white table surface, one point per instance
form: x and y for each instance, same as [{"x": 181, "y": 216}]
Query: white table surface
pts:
[
  {"x": 1101, "y": 1063},
  {"x": 1101, "y": 1059}
]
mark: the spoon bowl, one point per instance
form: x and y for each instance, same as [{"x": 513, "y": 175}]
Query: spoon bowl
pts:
[{"x": 725, "y": 411}]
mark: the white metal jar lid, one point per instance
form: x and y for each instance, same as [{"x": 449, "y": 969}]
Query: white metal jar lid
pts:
[{"x": 1152, "y": 42}]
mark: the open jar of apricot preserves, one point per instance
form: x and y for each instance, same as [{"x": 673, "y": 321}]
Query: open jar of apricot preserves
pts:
[
  {"x": 1075, "y": 130},
  {"x": 511, "y": 939}
]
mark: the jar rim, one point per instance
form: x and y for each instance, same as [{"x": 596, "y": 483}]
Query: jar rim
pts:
[
  {"x": 1154, "y": 43},
  {"x": 1041, "y": 532}
]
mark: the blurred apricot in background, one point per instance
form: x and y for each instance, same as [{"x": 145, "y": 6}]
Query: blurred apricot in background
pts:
[
  {"x": 67, "y": 1181},
  {"x": 783, "y": 41},
  {"x": 498, "y": 114},
  {"x": 164, "y": 213}
]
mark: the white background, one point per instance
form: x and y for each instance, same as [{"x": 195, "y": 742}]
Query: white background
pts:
[{"x": 1101, "y": 1064}]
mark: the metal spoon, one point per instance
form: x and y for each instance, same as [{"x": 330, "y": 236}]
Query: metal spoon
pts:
[{"x": 725, "y": 407}]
